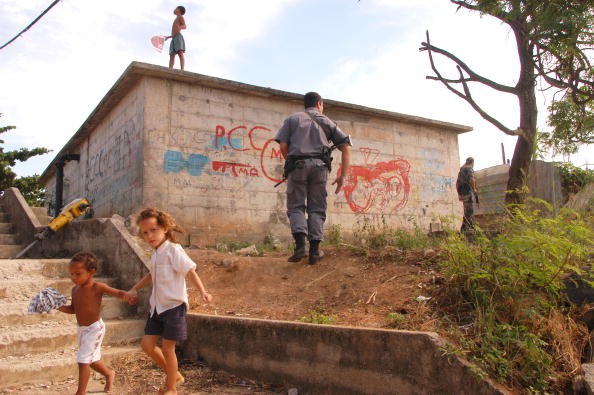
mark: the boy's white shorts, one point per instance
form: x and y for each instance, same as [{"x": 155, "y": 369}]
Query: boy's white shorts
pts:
[{"x": 89, "y": 342}]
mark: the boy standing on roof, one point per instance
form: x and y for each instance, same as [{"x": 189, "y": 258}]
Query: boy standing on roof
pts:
[{"x": 177, "y": 46}]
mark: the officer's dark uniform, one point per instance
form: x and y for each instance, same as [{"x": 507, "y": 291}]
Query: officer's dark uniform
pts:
[{"x": 306, "y": 184}]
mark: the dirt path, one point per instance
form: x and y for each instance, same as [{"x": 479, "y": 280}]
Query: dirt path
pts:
[
  {"x": 358, "y": 290},
  {"x": 136, "y": 376}
]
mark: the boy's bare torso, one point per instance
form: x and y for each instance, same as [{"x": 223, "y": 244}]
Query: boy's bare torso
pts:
[
  {"x": 177, "y": 24},
  {"x": 86, "y": 300}
]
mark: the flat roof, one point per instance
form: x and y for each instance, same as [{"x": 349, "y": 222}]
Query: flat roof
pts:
[{"x": 136, "y": 70}]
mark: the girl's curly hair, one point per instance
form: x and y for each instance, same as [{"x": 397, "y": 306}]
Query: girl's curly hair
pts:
[{"x": 164, "y": 220}]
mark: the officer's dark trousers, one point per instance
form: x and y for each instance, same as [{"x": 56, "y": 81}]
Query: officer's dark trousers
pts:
[
  {"x": 467, "y": 223},
  {"x": 306, "y": 193}
]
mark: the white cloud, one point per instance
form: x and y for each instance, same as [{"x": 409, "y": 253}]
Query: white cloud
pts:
[
  {"x": 55, "y": 74},
  {"x": 395, "y": 79}
]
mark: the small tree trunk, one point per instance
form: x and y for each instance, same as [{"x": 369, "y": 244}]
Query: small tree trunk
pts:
[
  {"x": 520, "y": 164},
  {"x": 518, "y": 172}
]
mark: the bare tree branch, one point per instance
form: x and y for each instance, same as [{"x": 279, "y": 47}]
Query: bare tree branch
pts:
[
  {"x": 466, "y": 95},
  {"x": 430, "y": 77},
  {"x": 473, "y": 76}
]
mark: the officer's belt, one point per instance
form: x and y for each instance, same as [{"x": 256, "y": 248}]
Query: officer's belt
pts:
[{"x": 301, "y": 157}]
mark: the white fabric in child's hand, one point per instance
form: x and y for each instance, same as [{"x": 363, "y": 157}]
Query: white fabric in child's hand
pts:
[{"x": 47, "y": 300}]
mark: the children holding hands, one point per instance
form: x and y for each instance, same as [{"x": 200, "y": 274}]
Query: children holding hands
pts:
[{"x": 170, "y": 266}]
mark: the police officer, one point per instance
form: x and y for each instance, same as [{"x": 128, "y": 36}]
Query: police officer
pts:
[{"x": 305, "y": 140}]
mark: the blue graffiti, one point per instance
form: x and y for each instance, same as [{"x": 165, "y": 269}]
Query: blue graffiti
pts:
[
  {"x": 174, "y": 162},
  {"x": 224, "y": 144},
  {"x": 437, "y": 184},
  {"x": 432, "y": 160}
]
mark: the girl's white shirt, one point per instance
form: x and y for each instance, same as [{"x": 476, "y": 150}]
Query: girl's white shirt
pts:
[{"x": 169, "y": 266}]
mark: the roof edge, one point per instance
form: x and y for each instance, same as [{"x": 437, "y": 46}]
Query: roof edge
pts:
[{"x": 136, "y": 70}]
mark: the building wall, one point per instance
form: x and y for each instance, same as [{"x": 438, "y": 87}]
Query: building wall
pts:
[
  {"x": 211, "y": 162},
  {"x": 544, "y": 182},
  {"x": 110, "y": 170}
]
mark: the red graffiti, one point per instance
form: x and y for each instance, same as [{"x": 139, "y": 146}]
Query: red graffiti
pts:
[
  {"x": 384, "y": 184},
  {"x": 230, "y": 137},
  {"x": 269, "y": 155},
  {"x": 237, "y": 169}
]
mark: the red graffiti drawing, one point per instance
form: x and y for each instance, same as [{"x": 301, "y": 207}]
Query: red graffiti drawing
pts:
[
  {"x": 384, "y": 184},
  {"x": 237, "y": 169},
  {"x": 269, "y": 153}
]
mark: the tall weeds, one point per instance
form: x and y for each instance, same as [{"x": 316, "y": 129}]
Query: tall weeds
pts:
[{"x": 504, "y": 299}]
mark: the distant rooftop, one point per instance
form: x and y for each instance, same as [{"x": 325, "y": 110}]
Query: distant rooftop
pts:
[{"x": 136, "y": 70}]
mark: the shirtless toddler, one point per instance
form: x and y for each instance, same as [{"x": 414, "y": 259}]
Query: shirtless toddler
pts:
[{"x": 86, "y": 304}]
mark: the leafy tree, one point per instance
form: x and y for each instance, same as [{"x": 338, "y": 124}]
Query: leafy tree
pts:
[
  {"x": 573, "y": 178},
  {"x": 554, "y": 40},
  {"x": 29, "y": 186},
  {"x": 572, "y": 125}
]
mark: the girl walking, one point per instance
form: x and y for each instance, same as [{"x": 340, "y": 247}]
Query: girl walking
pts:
[{"x": 169, "y": 268}]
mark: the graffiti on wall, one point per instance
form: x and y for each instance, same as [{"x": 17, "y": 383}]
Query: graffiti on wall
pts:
[
  {"x": 112, "y": 169},
  {"x": 375, "y": 185},
  {"x": 381, "y": 185},
  {"x": 435, "y": 185},
  {"x": 268, "y": 155}
]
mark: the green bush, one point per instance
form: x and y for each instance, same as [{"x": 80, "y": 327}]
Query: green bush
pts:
[
  {"x": 573, "y": 178},
  {"x": 396, "y": 320},
  {"x": 318, "y": 316},
  {"x": 377, "y": 234},
  {"x": 508, "y": 291},
  {"x": 335, "y": 235}
]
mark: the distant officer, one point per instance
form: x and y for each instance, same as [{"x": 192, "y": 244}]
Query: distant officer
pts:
[
  {"x": 305, "y": 142},
  {"x": 466, "y": 186}
]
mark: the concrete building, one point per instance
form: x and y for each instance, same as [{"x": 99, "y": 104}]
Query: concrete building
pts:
[{"x": 201, "y": 148}]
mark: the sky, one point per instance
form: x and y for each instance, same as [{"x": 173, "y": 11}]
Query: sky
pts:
[{"x": 362, "y": 52}]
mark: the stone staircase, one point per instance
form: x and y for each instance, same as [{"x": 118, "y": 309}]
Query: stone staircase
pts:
[
  {"x": 41, "y": 348},
  {"x": 9, "y": 242}
]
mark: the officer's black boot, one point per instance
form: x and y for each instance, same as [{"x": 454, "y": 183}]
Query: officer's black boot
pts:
[
  {"x": 299, "y": 248},
  {"x": 314, "y": 252}
]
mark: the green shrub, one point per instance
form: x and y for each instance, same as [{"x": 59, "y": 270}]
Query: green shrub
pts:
[
  {"x": 508, "y": 291},
  {"x": 574, "y": 178},
  {"x": 318, "y": 316},
  {"x": 335, "y": 235},
  {"x": 396, "y": 320},
  {"x": 377, "y": 234}
]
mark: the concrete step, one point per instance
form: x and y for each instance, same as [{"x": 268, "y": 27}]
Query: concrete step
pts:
[
  {"x": 10, "y": 250},
  {"x": 41, "y": 214},
  {"x": 51, "y": 336},
  {"x": 8, "y": 239},
  {"x": 44, "y": 219},
  {"x": 15, "y": 313},
  {"x": 39, "y": 211},
  {"x": 25, "y": 288},
  {"x": 52, "y": 366},
  {"x": 6, "y": 227},
  {"x": 36, "y": 268}
]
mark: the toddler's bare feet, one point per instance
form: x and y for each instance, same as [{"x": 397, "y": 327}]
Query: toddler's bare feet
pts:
[{"x": 109, "y": 381}]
